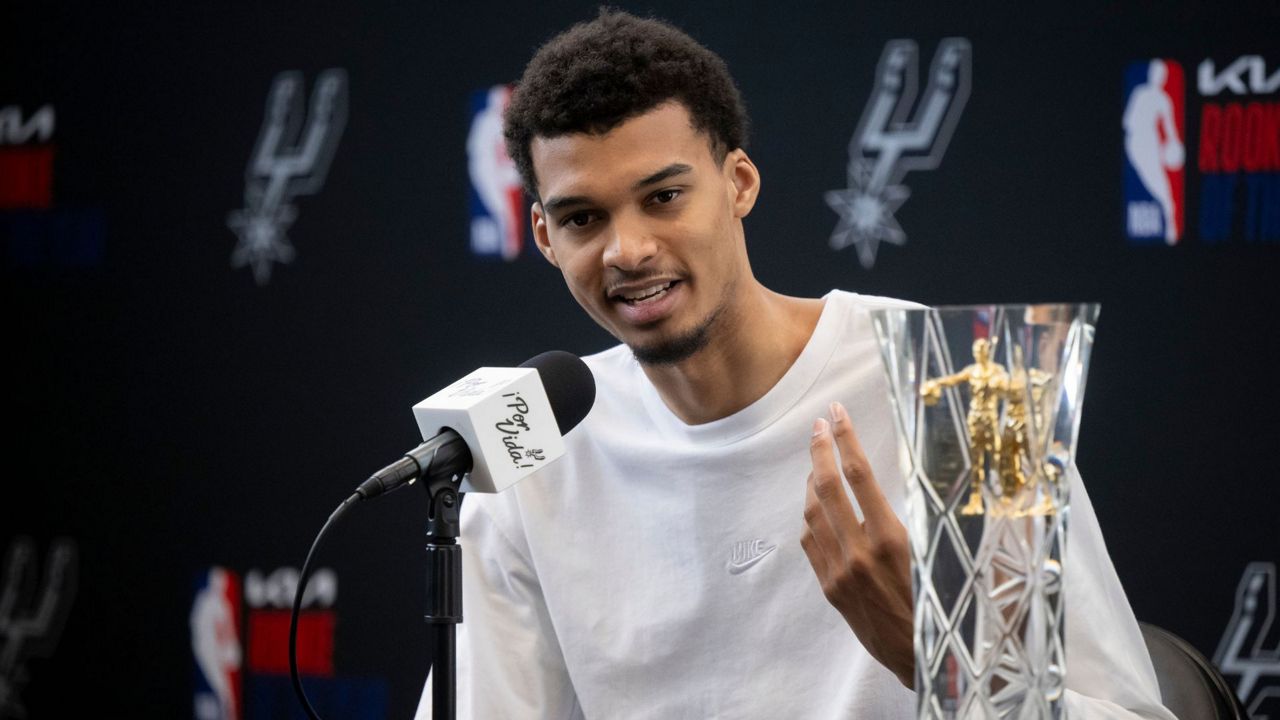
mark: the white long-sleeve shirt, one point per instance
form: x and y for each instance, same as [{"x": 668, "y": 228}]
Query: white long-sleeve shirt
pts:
[{"x": 655, "y": 571}]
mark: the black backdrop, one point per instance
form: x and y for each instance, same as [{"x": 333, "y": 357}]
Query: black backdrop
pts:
[{"x": 168, "y": 414}]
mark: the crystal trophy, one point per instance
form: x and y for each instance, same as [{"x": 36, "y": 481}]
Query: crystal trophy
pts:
[{"x": 987, "y": 401}]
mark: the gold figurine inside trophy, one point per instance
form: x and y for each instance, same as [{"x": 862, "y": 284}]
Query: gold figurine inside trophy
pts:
[{"x": 993, "y": 445}]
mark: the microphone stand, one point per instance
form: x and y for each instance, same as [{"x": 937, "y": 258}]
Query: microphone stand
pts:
[{"x": 444, "y": 590}]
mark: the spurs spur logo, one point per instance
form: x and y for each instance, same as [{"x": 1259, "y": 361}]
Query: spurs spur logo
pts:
[
  {"x": 890, "y": 141},
  {"x": 32, "y": 613},
  {"x": 1243, "y": 649},
  {"x": 290, "y": 158}
]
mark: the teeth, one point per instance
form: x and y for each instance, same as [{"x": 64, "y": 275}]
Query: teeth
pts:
[{"x": 646, "y": 293}]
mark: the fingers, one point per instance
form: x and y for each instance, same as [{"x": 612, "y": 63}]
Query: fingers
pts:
[
  {"x": 857, "y": 471},
  {"x": 813, "y": 548},
  {"x": 833, "y": 520},
  {"x": 864, "y": 569}
]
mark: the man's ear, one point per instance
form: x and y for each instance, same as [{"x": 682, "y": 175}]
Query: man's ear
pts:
[
  {"x": 746, "y": 181},
  {"x": 540, "y": 235}
]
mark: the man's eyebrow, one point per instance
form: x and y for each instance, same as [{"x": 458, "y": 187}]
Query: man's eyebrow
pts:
[
  {"x": 552, "y": 206},
  {"x": 669, "y": 171},
  {"x": 556, "y": 204}
]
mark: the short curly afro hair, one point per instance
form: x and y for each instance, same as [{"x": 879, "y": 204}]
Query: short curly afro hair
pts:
[{"x": 601, "y": 73}]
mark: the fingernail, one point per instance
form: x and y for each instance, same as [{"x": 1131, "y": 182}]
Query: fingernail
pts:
[
  {"x": 837, "y": 412},
  {"x": 819, "y": 427}
]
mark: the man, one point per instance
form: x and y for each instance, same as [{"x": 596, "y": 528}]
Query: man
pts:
[{"x": 676, "y": 563}]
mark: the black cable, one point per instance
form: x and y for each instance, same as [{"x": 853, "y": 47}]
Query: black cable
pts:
[{"x": 297, "y": 605}]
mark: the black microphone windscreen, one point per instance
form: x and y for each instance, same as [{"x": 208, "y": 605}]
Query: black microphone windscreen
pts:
[{"x": 570, "y": 386}]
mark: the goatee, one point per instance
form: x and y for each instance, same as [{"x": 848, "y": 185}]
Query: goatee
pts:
[{"x": 670, "y": 351}]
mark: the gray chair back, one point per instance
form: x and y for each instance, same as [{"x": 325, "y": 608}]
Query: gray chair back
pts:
[{"x": 1190, "y": 686}]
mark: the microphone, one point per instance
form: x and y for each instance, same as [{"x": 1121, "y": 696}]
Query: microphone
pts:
[{"x": 495, "y": 426}]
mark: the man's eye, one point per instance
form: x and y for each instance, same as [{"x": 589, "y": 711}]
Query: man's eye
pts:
[
  {"x": 580, "y": 219},
  {"x": 663, "y": 197}
]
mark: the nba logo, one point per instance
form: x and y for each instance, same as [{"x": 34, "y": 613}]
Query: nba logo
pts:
[
  {"x": 1154, "y": 150},
  {"x": 215, "y": 643},
  {"x": 497, "y": 200}
]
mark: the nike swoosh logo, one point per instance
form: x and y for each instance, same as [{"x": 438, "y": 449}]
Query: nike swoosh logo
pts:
[{"x": 735, "y": 568}]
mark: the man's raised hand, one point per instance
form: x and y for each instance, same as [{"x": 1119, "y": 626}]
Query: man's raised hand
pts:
[{"x": 864, "y": 567}]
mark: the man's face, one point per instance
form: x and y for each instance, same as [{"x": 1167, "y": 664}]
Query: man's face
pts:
[{"x": 646, "y": 226}]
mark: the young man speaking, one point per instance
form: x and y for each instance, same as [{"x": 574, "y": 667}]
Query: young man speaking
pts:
[{"x": 696, "y": 554}]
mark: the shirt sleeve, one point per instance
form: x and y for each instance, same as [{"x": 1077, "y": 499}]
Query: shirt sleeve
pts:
[
  {"x": 509, "y": 663},
  {"x": 1109, "y": 670}
]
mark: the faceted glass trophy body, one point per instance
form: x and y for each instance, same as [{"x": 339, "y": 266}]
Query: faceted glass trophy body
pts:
[{"x": 987, "y": 401}]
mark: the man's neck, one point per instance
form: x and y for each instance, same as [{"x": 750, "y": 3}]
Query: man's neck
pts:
[{"x": 761, "y": 337}]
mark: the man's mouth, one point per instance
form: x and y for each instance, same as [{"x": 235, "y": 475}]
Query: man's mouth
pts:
[{"x": 646, "y": 294}]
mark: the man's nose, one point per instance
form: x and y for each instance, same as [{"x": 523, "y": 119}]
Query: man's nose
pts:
[{"x": 630, "y": 245}]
